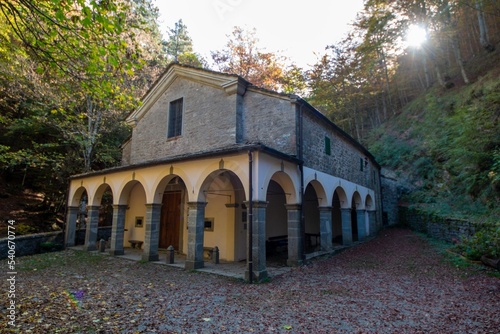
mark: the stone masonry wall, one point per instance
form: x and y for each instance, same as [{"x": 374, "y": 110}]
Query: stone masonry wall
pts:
[
  {"x": 208, "y": 122},
  {"x": 270, "y": 121},
  {"x": 390, "y": 199},
  {"x": 345, "y": 159},
  {"x": 446, "y": 229},
  {"x": 30, "y": 244}
]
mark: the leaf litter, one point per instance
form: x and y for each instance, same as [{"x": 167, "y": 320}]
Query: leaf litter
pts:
[{"x": 396, "y": 282}]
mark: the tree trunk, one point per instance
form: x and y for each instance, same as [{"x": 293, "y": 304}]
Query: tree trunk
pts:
[
  {"x": 458, "y": 56},
  {"x": 483, "y": 28}
]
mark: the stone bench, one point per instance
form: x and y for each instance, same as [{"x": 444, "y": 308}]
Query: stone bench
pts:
[{"x": 137, "y": 243}]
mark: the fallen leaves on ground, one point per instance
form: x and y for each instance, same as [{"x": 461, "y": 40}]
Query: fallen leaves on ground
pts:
[{"x": 394, "y": 283}]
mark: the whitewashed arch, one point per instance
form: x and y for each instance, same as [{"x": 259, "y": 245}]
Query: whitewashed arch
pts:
[
  {"x": 99, "y": 191},
  {"x": 215, "y": 166},
  {"x": 344, "y": 199},
  {"x": 323, "y": 198},
  {"x": 165, "y": 177},
  {"x": 357, "y": 201},
  {"x": 76, "y": 195}
]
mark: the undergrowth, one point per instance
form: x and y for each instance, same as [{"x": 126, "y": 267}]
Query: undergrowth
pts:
[{"x": 445, "y": 149}]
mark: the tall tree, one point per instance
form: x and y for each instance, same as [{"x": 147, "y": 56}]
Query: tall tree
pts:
[
  {"x": 243, "y": 56},
  {"x": 77, "y": 65},
  {"x": 179, "y": 47},
  {"x": 484, "y": 38}
]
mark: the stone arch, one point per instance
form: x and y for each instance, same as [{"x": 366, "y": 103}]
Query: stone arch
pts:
[
  {"x": 356, "y": 204},
  {"x": 76, "y": 196},
  {"x": 76, "y": 217},
  {"x": 124, "y": 191},
  {"x": 320, "y": 192},
  {"x": 171, "y": 192},
  {"x": 276, "y": 223},
  {"x": 133, "y": 195},
  {"x": 342, "y": 196},
  {"x": 339, "y": 202},
  {"x": 212, "y": 171},
  {"x": 103, "y": 198},
  {"x": 286, "y": 184},
  {"x": 165, "y": 178},
  {"x": 223, "y": 192},
  {"x": 357, "y": 201},
  {"x": 314, "y": 197},
  {"x": 369, "y": 204}
]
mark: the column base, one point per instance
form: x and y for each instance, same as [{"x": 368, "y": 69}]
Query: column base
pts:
[
  {"x": 258, "y": 276},
  {"x": 90, "y": 248},
  {"x": 115, "y": 252},
  {"x": 192, "y": 265},
  {"x": 150, "y": 257},
  {"x": 294, "y": 263}
]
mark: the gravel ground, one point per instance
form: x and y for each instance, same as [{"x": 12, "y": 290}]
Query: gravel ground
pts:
[{"x": 395, "y": 283}]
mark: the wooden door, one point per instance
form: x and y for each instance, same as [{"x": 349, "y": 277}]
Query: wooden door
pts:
[{"x": 170, "y": 220}]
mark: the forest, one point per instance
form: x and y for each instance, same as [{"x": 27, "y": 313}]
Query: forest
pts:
[{"x": 70, "y": 71}]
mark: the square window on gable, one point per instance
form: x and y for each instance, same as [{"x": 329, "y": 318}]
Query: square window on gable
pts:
[{"x": 175, "y": 119}]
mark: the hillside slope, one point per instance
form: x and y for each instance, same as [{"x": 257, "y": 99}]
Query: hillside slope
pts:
[{"x": 445, "y": 148}]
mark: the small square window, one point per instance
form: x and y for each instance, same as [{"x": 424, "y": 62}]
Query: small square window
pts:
[
  {"x": 328, "y": 148},
  {"x": 209, "y": 224},
  {"x": 175, "y": 119}
]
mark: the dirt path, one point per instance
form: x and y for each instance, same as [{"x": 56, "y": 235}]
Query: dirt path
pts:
[{"x": 396, "y": 283}]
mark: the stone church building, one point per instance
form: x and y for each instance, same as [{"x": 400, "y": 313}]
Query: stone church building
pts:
[{"x": 215, "y": 161}]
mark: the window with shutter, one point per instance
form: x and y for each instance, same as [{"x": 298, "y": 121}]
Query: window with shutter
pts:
[{"x": 175, "y": 119}]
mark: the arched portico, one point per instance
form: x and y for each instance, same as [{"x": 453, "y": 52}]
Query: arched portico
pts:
[
  {"x": 210, "y": 204},
  {"x": 215, "y": 219},
  {"x": 99, "y": 212},
  {"x": 75, "y": 217},
  {"x": 312, "y": 216}
]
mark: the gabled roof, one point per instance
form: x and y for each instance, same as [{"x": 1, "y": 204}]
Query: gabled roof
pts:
[{"x": 230, "y": 83}]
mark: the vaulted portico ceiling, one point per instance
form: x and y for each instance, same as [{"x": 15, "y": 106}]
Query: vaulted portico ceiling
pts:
[{"x": 230, "y": 83}]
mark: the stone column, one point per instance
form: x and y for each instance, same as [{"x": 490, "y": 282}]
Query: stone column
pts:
[
  {"x": 325, "y": 227},
  {"x": 258, "y": 242},
  {"x": 118, "y": 229},
  {"x": 92, "y": 226},
  {"x": 196, "y": 225},
  {"x": 152, "y": 232},
  {"x": 361, "y": 224},
  {"x": 295, "y": 236},
  {"x": 69, "y": 237},
  {"x": 372, "y": 222},
  {"x": 346, "y": 227}
]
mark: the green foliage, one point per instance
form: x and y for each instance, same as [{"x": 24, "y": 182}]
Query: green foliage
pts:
[
  {"x": 484, "y": 242},
  {"x": 55, "y": 260},
  {"x": 445, "y": 146},
  {"x": 50, "y": 246},
  {"x": 23, "y": 229}
]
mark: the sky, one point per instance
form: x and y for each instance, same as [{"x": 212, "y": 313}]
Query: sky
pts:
[{"x": 296, "y": 29}]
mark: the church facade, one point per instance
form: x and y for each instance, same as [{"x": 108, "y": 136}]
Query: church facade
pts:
[{"x": 215, "y": 161}]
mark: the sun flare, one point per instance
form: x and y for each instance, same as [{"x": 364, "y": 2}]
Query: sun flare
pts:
[{"x": 416, "y": 36}]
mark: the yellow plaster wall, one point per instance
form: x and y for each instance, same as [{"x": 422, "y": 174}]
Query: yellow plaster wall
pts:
[{"x": 136, "y": 208}]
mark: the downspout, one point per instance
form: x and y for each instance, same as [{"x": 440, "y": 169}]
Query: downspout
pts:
[{"x": 250, "y": 217}]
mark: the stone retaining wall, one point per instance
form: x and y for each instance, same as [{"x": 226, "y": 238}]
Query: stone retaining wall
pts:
[
  {"x": 30, "y": 244},
  {"x": 446, "y": 229}
]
